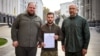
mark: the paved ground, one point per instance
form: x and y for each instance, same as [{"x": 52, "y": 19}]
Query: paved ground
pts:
[
  {"x": 8, "y": 49},
  {"x": 94, "y": 47}
]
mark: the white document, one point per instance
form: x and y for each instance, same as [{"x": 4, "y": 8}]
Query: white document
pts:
[{"x": 49, "y": 40}]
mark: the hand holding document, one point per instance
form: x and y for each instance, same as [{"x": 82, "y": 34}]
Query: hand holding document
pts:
[{"x": 49, "y": 40}]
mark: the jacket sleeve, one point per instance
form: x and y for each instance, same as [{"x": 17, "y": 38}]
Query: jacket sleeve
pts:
[
  {"x": 86, "y": 34},
  {"x": 60, "y": 33},
  {"x": 40, "y": 36},
  {"x": 14, "y": 29},
  {"x": 63, "y": 33},
  {"x": 40, "y": 30}
]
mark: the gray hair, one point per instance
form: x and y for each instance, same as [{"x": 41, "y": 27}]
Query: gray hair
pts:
[{"x": 73, "y": 5}]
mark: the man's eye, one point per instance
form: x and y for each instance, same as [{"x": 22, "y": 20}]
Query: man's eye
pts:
[{"x": 33, "y": 8}]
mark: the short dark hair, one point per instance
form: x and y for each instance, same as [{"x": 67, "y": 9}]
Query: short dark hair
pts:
[
  {"x": 50, "y": 13},
  {"x": 31, "y": 3}
]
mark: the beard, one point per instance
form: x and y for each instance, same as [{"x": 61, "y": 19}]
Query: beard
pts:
[
  {"x": 50, "y": 22},
  {"x": 31, "y": 14},
  {"x": 72, "y": 14}
]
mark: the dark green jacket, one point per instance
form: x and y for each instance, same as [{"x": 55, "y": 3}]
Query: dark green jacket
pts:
[
  {"x": 25, "y": 30},
  {"x": 53, "y": 29},
  {"x": 76, "y": 34}
]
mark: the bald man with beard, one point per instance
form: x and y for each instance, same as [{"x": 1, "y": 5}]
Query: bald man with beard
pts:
[{"x": 76, "y": 33}]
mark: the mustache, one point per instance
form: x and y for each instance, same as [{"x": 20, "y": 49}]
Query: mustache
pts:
[
  {"x": 71, "y": 12},
  {"x": 50, "y": 22}
]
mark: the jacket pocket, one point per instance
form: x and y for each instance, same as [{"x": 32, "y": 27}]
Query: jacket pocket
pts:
[{"x": 37, "y": 23}]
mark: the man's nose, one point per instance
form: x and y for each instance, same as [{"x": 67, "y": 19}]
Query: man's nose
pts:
[{"x": 71, "y": 10}]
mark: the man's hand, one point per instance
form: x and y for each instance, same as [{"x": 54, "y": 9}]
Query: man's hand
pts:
[
  {"x": 84, "y": 52},
  {"x": 63, "y": 48},
  {"x": 39, "y": 46},
  {"x": 56, "y": 37},
  {"x": 15, "y": 43},
  {"x": 42, "y": 44}
]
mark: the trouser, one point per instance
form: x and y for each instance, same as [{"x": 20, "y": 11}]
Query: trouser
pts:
[
  {"x": 25, "y": 51},
  {"x": 73, "y": 53},
  {"x": 49, "y": 53}
]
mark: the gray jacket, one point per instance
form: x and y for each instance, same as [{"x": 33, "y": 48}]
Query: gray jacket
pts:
[{"x": 25, "y": 30}]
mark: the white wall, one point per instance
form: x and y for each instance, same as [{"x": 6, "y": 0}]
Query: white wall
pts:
[
  {"x": 0, "y": 5},
  {"x": 4, "y": 6},
  {"x": 65, "y": 8},
  {"x": 80, "y": 7},
  {"x": 8, "y": 6},
  {"x": 15, "y": 7},
  {"x": 39, "y": 9}
]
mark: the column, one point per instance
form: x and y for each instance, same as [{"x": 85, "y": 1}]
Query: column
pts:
[
  {"x": 7, "y": 8},
  {"x": 11, "y": 7},
  {"x": 98, "y": 9},
  {"x": 94, "y": 9},
  {"x": 0, "y": 5}
]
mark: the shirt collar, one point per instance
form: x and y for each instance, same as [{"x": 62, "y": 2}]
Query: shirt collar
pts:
[{"x": 51, "y": 25}]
